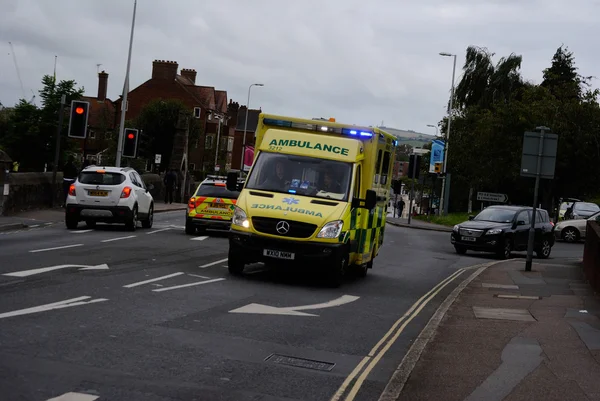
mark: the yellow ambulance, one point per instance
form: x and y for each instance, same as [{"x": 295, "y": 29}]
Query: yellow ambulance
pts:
[{"x": 317, "y": 195}]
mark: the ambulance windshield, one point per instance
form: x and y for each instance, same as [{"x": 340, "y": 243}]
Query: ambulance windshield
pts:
[{"x": 301, "y": 175}]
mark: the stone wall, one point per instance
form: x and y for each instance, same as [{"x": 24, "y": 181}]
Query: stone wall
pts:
[{"x": 35, "y": 191}]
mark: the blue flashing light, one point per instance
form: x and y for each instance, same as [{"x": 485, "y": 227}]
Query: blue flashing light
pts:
[
  {"x": 395, "y": 142},
  {"x": 279, "y": 123},
  {"x": 292, "y": 191},
  {"x": 366, "y": 134}
]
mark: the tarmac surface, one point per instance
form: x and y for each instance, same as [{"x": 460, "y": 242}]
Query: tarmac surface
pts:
[{"x": 154, "y": 315}]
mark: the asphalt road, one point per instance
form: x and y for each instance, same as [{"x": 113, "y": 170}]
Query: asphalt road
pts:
[{"x": 117, "y": 335}]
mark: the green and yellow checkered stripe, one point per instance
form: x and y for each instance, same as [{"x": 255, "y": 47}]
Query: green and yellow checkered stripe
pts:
[{"x": 362, "y": 239}]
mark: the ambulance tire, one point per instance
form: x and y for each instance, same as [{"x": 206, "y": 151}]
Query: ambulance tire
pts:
[
  {"x": 338, "y": 271},
  {"x": 235, "y": 264},
  {"x": 189, "y": 228}
]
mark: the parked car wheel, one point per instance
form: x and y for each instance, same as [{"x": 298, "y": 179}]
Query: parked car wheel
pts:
[
  {"x": 570, "y": 234},
  {"x": 544, "y": 249}
]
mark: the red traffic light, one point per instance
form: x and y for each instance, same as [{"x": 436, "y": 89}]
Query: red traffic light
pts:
[
  {"x": 79, "y": 110},
  {"x": 130, "y": 136}
]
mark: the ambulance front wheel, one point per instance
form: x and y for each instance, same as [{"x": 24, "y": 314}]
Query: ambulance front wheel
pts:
[{"x": 235, "y": 264}]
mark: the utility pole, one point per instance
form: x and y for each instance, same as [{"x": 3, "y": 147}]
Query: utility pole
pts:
[
  {"x": 444, "y": 199},
  {"x": 125, "y": 92},
  {"x": 61, "y": 113},
  {"x": 220, "y": 118},
  {"x": 245, "y": 127},
  {"x": 413, "y": 173},
  {"x": 531, "y": 238}
]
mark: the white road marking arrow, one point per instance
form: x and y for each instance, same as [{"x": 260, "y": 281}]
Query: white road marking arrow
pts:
[
  {"x": 67, "y": 303},
  {"x": 103, "y": 266},
  {"x": 32, "y": 272},
  {"x": 75, "y": 397},
  {"x": 199, "y": 238},
  {"x": 293, "y": 310}
]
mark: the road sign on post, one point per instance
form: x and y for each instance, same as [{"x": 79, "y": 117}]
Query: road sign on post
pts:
[
  {"x": 491, "y": 197},
  {"x": 538, "y": 160}
]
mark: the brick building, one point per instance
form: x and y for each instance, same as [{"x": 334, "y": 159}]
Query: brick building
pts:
[
  {"x": 238, "y": 133},
  {"x": 206, "y": 102}
]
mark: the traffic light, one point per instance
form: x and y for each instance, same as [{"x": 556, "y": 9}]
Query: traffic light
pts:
[
  {"x": 78, "y": 120},
  {"x": 437, "y": 168},
  {"x": 130, "y": 142},
  {"x": 414, "y": 166}
]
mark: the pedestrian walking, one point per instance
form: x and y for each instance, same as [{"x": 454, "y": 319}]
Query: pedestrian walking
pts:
[
  {"x": 170, "y": 182},
  {"x": 400, "y": 207}
]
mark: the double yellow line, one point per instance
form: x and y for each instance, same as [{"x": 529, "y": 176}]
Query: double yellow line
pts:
[{"x": 388, "y": 339}]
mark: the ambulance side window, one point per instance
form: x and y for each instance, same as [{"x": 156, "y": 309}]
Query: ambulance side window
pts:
[
  {"x": 378, "y": 167},
  {"x": 357, "y": 183},
  {"x": 385, "y": 170}
]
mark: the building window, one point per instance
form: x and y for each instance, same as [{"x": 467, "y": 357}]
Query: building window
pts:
[
  {"x": 92, "y": 134},
  {"x": 230, "y": 144},
  {"x": 191, "y": 167},
  {"x": 208, "y": 143},
  {"x": 197, "y": 112},
  {"x": 196, "y": 144}
]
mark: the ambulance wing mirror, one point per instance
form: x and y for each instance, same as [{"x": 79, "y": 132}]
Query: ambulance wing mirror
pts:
[
  {"x": 232, "y": 181},
  {"x": 371, "y": 200}
]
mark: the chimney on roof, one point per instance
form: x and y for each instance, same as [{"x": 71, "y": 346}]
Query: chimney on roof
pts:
[
  {"x": 102, "y": 85},
  {"x": 163, "y": 69},
  {"x": 189, "y": 74}
]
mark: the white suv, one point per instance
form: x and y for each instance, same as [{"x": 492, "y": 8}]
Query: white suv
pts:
[{"x": 109, "y": 195}]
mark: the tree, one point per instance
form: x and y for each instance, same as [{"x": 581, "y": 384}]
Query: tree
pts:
[
  {"x": 561, "y": 78},
  {"x": 158, "y": 120},
  {"x": 484, "y": 83},
  {"x": 29, "y": 135}
]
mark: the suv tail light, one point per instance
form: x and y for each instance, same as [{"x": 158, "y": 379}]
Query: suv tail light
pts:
[
  {"x": 192, "y": 203},
  {"x": 72, "y": 190},
  {"x": 126, "y": 192}
]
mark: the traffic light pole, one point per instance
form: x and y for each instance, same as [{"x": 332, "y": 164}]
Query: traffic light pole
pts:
[
  {"x": 125, "y": 92},
  {"x": 61, "y": 112},
  {"x": 413, "y": 173}
]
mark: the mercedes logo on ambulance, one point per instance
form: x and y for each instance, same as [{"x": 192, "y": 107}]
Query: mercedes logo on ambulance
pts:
[{"x": 282, "y": 227}]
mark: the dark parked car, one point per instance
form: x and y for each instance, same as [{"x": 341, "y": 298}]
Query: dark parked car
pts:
[{"x": 503, "y": 229}]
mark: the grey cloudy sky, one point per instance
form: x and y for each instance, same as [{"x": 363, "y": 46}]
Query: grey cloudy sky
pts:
[{"x": 360, "y": 62}]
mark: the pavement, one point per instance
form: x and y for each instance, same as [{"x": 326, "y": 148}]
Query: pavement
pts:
[
  {"x": 43, "y": 217},
  {"x": 414, "y": 223},
  {"x": 510, "y": 335},
  {"x": 107, "y": 314}
]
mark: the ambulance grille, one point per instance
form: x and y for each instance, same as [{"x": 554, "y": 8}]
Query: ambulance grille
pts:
[{"x": 297, "y": 229}]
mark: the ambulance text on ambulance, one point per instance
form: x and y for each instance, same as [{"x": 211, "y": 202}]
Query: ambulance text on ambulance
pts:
[
  {"x": 286, "y": 209},
  {"x": 307, "y": 144}
]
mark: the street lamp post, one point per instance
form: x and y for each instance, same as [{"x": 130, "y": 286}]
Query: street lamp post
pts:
[
  {"x": 436, "y": 128},
  {"x": 445, "y": 181},
  {"x": 125, "y": 92},
  {"x": 246, "y": 126}
]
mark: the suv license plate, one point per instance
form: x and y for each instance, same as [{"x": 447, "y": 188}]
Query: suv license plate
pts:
[
  {"x": 98, "y": 193},
  {"x": 469, "y": 239},
  {"x": 279, "y": 254}
]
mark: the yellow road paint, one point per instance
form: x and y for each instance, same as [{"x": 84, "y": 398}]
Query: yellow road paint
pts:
[{"x": 374, "y": 357}]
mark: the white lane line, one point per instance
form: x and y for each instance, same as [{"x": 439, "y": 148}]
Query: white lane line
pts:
[
  {"x": 67, "y": 303},
  {"x": 157, "y": 231},
  {"x": 34, "y": 226},
  {"x": 81, "y": 231},
  {"x": 196, "y": 275},
  {"x": 55, "y": 248},
  {"x": 213, "y": 263},
  {"x": 188, "y": 285},
  {"x": 74, "y": 397},
  {"x": 152, "y": 280},
  {"x": 118, "y": 238},
  {"x": 199, "y": 238}
]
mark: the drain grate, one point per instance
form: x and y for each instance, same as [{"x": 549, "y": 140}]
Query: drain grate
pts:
[{"x": 300, "y": 362}]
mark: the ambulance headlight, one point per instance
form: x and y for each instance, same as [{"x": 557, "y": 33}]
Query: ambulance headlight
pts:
[
  {"x": 240, "y": 218},
  {"x": 331, "y": 229}
]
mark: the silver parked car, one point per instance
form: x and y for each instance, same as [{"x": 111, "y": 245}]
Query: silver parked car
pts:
[{"x": 573, "y": 230}]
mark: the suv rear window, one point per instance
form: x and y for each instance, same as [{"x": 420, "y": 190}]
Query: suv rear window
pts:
[
  {"x": 216, "y": 191},
  {"x": 94, "y": 178}
]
